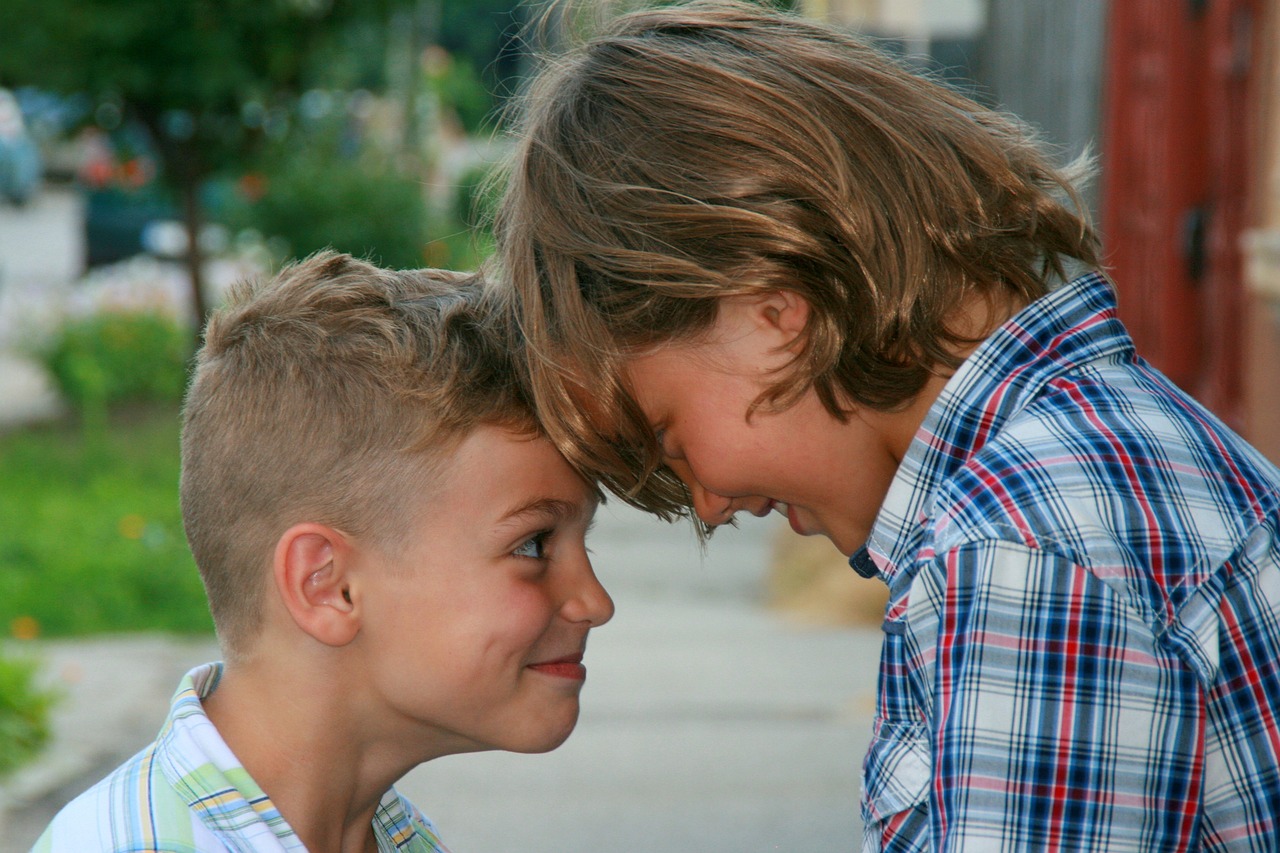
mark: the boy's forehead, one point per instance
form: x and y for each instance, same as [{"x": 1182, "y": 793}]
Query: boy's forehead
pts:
[{"x": 519, "y": 474}]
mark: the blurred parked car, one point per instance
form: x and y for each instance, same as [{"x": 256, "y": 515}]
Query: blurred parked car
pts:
[
  {"x": 123, "y": 198},
  {"x": 117, "y": 222},
  {"x": 20, "y": 167}
]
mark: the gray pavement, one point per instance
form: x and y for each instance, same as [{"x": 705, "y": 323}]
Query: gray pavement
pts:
[
  {"x": 41, "y": 251},
  {"x": 709, "y": 722}
]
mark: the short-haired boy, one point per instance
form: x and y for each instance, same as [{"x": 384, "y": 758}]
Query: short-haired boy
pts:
[
  {"x": 759, "y": 266},
  {"x": 394, "y": 559}
]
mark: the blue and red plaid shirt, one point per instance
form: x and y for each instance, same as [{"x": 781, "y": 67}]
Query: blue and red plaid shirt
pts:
[{"x": 1082, "y": 643}]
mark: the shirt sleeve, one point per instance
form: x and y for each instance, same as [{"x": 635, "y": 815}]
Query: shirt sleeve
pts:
[{"x": 1058, "y": 720}]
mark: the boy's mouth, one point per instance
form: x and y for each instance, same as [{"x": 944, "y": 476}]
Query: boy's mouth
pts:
[
  {"x": 769, "y": 506},
  {"x": 569, "y": 666},
  {"x": 790, "y": 513}
]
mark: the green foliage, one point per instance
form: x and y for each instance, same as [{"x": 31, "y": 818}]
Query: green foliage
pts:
[
  {"x": 483, "y": 34},
  {"x": 199, "y": 73},
  {"x": 24, "y": 713},
  {"x": 92, "y": 536},
  {"x": 204, "y": 77},
  {"x": 203, "y": 57},
  {"x": 478, "y": 196},
  {"x": 460, "y": 90},
  {"x": 317, "y": 198},
  {"x": 117, "y": 357}
]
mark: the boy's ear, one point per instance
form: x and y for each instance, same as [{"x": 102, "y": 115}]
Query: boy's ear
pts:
[
  {"x": 312, "y": 574},
  {"x": 783, "y": 311}
]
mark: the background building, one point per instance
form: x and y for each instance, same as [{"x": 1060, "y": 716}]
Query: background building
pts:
[{"x": 1178, "y": 100}]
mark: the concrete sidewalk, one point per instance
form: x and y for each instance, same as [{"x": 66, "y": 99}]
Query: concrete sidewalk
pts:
[
  {"x": 709, "y": 723},
  {"x": 40, "y": 251},
  {"x": 26, "y": 394}
]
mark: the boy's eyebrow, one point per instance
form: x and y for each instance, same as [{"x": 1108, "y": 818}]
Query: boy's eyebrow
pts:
[{"x": 552, "y": 508}]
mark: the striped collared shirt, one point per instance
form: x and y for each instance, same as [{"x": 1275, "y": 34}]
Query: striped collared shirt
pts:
[
  {"x": 187, "y": 793},
  {"x": 1082, "y": 642}
]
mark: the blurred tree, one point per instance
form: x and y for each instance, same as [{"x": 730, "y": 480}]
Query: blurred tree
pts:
[
  {"x": 207, "y": 78},
  {"x": 485, "y": 34},
  {"x": 369, "y": 206}
]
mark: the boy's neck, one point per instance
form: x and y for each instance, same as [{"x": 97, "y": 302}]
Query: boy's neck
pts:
[
  {"x": 976, "y": 320},
  {"x": 296, "y": 738}
]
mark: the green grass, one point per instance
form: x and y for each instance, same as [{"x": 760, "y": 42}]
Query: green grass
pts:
[
  {"x": 24, "y": 714},
  {"x": 90, "y": 532}
]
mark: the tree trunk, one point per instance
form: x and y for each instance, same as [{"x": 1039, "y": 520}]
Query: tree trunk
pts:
[
  {"x": 185, "y": 168},
  {"x": 195, "y": 258}
]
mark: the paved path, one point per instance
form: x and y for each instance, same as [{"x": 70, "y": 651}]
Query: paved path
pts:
[
  {"x": 41, "y": 251},
  {"x": 709, "y": 723}
]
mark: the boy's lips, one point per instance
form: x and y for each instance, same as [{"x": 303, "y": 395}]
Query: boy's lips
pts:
[
  {"x": 790, "y": 513},
  {"x": 569, "y": 666},
  {"x": 768, "y": 507}
]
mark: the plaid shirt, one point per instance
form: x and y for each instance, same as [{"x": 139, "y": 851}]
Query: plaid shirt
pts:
[
  {"x": 187, "y": 793},
  {"x": 1082, "y": 642}
]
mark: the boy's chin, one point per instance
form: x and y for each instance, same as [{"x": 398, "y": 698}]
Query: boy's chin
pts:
[
  {"x": 845, "y": 541},
  {"x": 544, "y": 740},
  {"x": 536, "y": 747}
]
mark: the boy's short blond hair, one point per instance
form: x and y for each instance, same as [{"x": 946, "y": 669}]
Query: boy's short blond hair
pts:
[
  {"x": 328, "y": 394},
  {"x": 714, "y": 149}
]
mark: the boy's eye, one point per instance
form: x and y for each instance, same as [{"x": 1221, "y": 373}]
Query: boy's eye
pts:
[
  {"x": 534, "y": 547},
  {"x": 669, "y": 454},
  {"x": 660, "y": 436}
]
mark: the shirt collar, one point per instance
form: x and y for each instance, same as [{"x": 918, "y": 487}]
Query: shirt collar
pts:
[
  {"x": 200, "y": 766},
  {"x": 1072, "y": 325}
]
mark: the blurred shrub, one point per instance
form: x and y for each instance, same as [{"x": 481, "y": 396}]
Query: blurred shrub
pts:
[
  {"x": 460, "y": 91},
  {"x": 24, "y": 714},
  {"x": 315, "y": 198},
  {"x": 116, "y": 357},
  {"x": 463, "y": 237},
  {"x": 477, "y": 198}
]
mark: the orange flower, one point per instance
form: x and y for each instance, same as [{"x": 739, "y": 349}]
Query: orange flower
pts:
[
  {"x": 132, "y": 526},
  {"x": 24, "y": 628}
]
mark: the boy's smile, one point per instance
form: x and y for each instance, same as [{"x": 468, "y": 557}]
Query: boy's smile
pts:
[
  {"x": 569, "y": 666},
  {"x": 474, "y": 627}
]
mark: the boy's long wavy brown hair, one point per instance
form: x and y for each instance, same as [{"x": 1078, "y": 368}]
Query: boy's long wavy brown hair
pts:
[{"x": 713, "y": 149}]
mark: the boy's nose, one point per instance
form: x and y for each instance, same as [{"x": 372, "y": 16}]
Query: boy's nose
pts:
[
  {"x": 711, "y": 508},
  {"x": 590, "y": 601}
]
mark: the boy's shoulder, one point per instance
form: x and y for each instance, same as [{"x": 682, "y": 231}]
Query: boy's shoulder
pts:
[
  {"x": 188, "y": 793},
  {"x": 1100, "y": 452},
  {"x": 1061, "y": 433},
  {"x": 133, "y": 808},
  {"x": 177, "y": 794},
  {"x": 1114, "y": 469}
]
